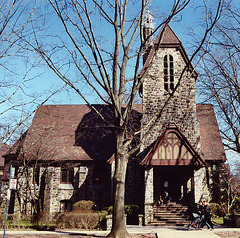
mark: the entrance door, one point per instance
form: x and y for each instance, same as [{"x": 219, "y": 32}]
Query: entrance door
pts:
[{"x": 176, "y": 180}]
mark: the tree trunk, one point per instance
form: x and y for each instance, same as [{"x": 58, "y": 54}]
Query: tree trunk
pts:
[{"x": 121, "y": 159}]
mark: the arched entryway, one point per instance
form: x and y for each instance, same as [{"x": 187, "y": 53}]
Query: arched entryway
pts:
[{"x": 176, "y": 180}]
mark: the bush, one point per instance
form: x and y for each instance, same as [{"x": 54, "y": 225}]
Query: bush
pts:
[
  {"x": 83, "y": 205},
  {"x": 43, "y": 220},
  {"x": 132, "y": 214},
  {"x": 216, "y": 210},
  {"x": 13, "y": 221},
  {"x": 235, "y": 209},
  {"x": 109, "y": 210},
  {"x": 131, "y": 211},
  {"x": 80, "y": 220}
]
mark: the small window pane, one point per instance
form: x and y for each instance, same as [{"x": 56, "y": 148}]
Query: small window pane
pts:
[
  {"x": 168, "y": 73},
  {"x": 166, "y": 87},
  {"x": 64, "y": 176},
  {"x": 71, "y": 174}
]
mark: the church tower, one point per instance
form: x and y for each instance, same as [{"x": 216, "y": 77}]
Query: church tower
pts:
[
  {"x": 169, "y": 89},
  {"x": 171, "y": 151}
]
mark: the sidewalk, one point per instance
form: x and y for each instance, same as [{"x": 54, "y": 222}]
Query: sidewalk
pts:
[{"x": 160, "y": 232}]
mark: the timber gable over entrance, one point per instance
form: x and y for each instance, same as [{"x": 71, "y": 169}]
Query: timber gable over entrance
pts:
[{"x": 172, "y": 148}]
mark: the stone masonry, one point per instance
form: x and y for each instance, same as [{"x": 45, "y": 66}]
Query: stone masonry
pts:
[{"x": 179, "y": 110}]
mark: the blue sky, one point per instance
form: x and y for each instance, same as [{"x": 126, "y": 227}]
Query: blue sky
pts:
[{"x": 188, "y": 26}]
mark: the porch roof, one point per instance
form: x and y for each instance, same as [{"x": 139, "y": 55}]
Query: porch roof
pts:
[{"x": 189, "y": 157}]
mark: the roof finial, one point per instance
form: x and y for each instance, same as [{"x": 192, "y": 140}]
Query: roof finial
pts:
[
  {"x": 148, "y": 20},
  {"x": 148, "y": 29}
]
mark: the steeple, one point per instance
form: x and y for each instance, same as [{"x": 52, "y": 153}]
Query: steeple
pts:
[{"x": 148, "y": 27}]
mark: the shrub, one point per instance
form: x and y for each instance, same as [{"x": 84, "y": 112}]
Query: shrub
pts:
[
  {"x": 132, "y": 214},
  {"x": 43, "y": 220},
  {"x": 83, "y": 205},
  {"x": 131, "y": 211},
  {"x": 2, "y": 220},
  {"x": 80, "y": 220},
  {"x": 13, "y": 220},
  {"x": 109, "y": 210},
  {"x": 235, "y": 209},
  {"x": 216, "y": 210}
]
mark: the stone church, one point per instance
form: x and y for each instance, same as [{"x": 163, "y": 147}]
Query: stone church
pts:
[{"x": 67, "y": 158}]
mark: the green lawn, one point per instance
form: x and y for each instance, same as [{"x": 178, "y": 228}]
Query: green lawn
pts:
[{"x": 218, "y": 220}]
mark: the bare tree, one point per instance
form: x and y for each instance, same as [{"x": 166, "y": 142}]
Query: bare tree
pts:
[
  {"x": 219, "y": 76},
  {"x": 228, "y": 187},
  {"x": 103, "y": 41},
  {"x": 15, "y": 16},
  {"x": 18, "y": 97}
]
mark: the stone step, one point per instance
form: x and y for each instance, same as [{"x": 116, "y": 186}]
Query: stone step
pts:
[
  {"x": 171, "y": 214},
  {"x": 171, "y": 217},
  {"x": 168, "y": 224}
]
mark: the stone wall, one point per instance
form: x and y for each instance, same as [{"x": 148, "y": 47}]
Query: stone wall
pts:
[
  {"x": 148, "y": 209},
  {"x": 201, "y": 191},
  {"x": 181, "y": 109},
  {"x": 54, "y": 191}
]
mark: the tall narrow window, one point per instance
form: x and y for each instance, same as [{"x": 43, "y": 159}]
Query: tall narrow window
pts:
[
  {"x": 36, "y": 173},
  {"x": 67, "y": 175},
  {"x": 168, "y": 73}
]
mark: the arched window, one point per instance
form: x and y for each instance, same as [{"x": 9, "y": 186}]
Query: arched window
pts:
[{"x": 168, "y": 73}]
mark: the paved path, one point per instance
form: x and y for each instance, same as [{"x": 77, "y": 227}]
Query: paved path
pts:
[{"x": 161, "y": 232}]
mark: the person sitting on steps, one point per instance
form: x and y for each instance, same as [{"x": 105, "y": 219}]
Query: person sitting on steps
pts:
[
  {"x": 166, "y": 198},
  {"x": 160, "y": 201}
]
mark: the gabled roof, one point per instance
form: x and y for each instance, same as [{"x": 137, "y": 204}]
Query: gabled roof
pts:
[
  {"x": 75, "y": 132},
  {"x": 186, "y": 155},
  {"x": 210, "y": 139},
  {"x": 3, "y": 150},
  {"x": 167, "y": 39},
  {"x": 69, "y": 132}
]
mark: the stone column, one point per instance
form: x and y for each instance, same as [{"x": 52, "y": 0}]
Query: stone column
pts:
[
  {"x": 148, "y": 195},
  {"x": 112, "y": 174},
  {"x": 201, "y": 188}
]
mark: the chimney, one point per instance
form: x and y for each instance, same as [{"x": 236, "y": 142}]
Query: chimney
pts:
[{"x": 148, "y": 27}]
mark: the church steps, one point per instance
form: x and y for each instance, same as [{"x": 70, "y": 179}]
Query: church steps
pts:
[{"x": 171, "y": 214}]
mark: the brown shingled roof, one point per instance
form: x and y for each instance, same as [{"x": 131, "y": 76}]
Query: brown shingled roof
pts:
[
  {"x": 75, "y": 132},
  {"x": 211, "y": 141},
  {"x": 3, "y": 150},
  {"x": 69, "y": 132}
]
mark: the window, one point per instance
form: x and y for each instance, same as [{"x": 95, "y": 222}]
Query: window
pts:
[
  {"x": 168, "y": 73},
  {"x": 65, "y": 206},
  {"x": 67, "y": 176},
  {"x": 36, "y": 173}
]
